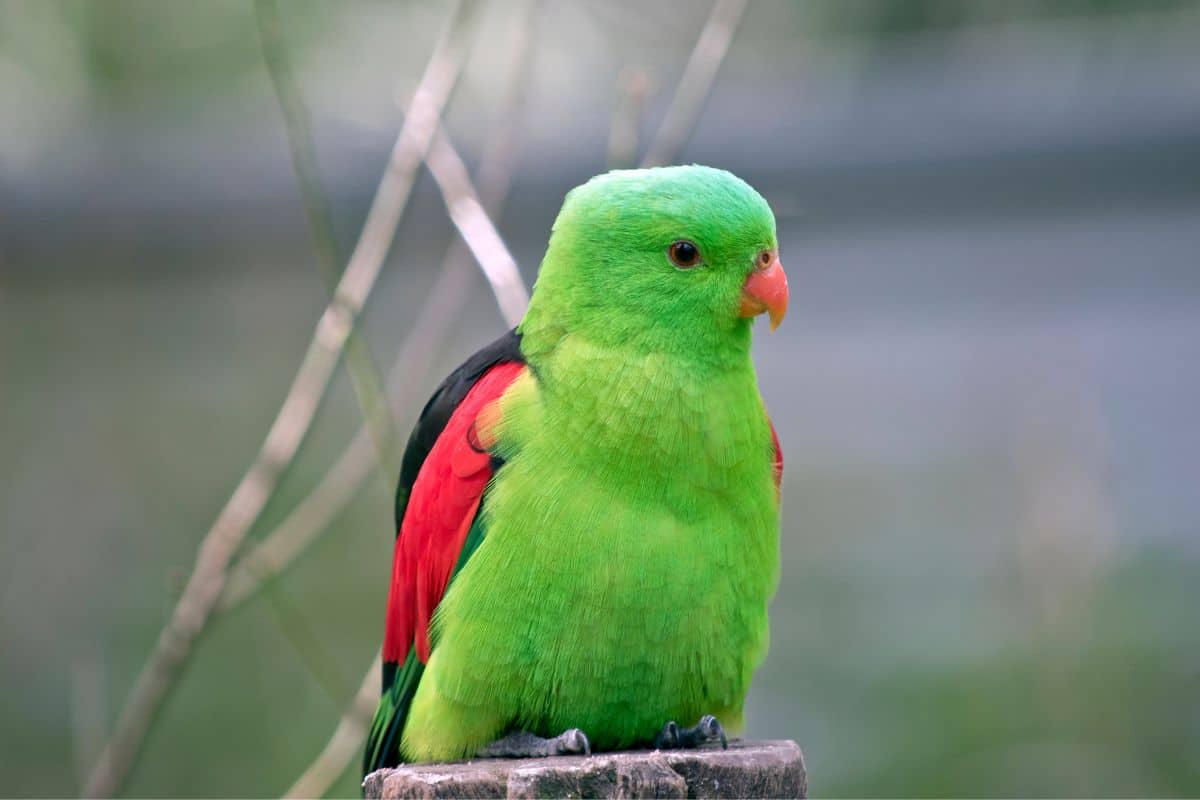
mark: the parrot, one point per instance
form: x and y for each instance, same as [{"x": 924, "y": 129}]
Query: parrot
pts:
[{"x": 587, "y": 513}]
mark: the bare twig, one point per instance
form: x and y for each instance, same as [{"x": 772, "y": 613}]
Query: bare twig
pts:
[
  {"x": 301, "y": 527},
  {"x": 697, "y": 81},
  {"x": 316, "y": 512},
  {"x": 346, "y": 740},
  {"x": 295, "y": 115},
  {"x": 208, "y": 576},
  {"x": 476, "y": 228},
  {"x": 363, "y": 374}
]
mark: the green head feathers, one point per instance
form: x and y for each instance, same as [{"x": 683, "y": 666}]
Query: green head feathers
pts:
[{"x": 653, "y": 259}]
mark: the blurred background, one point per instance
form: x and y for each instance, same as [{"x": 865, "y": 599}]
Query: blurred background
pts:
[{"x": 986, "y": 388}]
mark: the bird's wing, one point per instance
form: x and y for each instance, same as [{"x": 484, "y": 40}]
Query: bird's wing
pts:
[{"x": 443, "y": 476}]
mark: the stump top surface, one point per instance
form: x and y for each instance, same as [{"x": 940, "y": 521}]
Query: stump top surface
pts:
[{"x": 746, "y": 769}]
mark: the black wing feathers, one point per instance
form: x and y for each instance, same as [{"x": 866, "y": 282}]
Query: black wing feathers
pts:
[{"x": 441, "y": 405}]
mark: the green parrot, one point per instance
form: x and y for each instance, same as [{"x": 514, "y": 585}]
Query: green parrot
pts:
[{"x": 588, "y": 508}]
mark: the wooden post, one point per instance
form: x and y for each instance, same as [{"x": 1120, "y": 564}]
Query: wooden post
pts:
[{"x": 746, "y": 769}]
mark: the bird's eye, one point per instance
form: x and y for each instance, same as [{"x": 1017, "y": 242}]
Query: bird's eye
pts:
[
  {"x": 764, "y": 258},
  {"x": 684, "y": 254}
]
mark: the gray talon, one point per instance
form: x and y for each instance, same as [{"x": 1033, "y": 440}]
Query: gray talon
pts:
[
  {"x": 711, "y": 729},
  {"x": 708, "y": 729},
  {"x": 668, "y": 737},
  {"x": 523, "y": 744},
  {"x": 573, "y": 741}
]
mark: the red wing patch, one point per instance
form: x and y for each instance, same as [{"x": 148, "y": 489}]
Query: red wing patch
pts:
[
  {"x": 777, "y": 461},
  {"x": 441, "y": 508}
]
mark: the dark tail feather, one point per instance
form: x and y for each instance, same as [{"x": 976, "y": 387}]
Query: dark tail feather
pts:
[{"x": 383, "y": 740}]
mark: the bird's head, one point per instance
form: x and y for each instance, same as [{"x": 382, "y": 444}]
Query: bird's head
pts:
[{"x": 672, "y": 258}]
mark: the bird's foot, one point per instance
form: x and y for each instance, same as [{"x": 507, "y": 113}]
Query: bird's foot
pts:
[
  {"x": 523, "y": 744},
  {"x": 708, "y": 729}
]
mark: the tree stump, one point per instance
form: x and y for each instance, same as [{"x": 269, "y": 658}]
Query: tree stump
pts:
[{"x": 746, "y": 769}]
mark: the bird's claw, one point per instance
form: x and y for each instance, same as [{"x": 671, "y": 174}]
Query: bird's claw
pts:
[
  {"x": 523, "y": 744},
  {"x": 573, "y": 742},
  {"x": 708, "y": 729},
  {"x": 668, "y": 737}
]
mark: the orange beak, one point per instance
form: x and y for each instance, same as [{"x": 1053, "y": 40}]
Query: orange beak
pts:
[{"x": 766, "y": 290}]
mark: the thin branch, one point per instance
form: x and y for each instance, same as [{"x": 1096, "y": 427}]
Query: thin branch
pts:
[
  {"x": 303, "y": 152},
  {"x": 316, "y": 512},
  {"x": 361, "y": 368},
  {"x": 476, "y": 228},
  {"x": 313, "y": 516},
  {"x": 697, "y": 82},
  {"x": 300, "y": 528},
  {"x": 346, "y": 740},
  {"x": 208, "y": 576}
]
